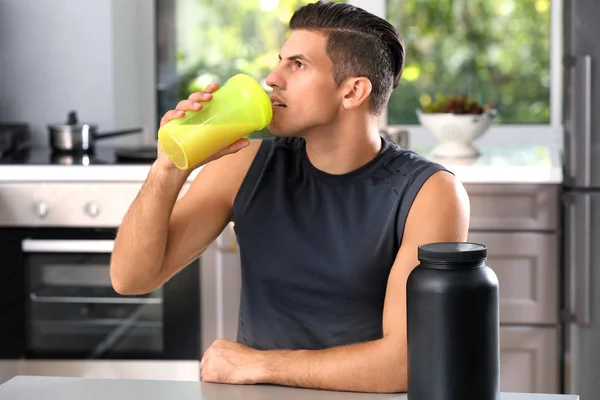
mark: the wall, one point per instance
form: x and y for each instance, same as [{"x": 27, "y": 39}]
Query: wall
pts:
[{"x": 89, "y": 56}]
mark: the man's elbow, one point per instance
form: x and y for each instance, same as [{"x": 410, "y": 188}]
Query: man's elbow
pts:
[
  {"x": 397, "y": 379},
  {"x": 393, "y": 384},
  {"x": 395, "y": 370},
  {"x": 124, "y": 286},
  {"x": 127, "y": 289},
  {"x": 121, "y": 286},
  {"x": 393, "y": 381}
]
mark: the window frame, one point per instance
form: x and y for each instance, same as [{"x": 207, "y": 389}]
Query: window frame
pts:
[{"x": 553, "y": 129}]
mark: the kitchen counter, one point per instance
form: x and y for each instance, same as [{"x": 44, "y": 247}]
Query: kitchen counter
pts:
[
  {"x": 54, "y": 388},
  {"x": 531, "y": 164},
  {"x": 76, "y": 173}
]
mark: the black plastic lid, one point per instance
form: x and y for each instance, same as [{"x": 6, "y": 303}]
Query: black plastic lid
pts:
[{"x": 452, "y": 252}]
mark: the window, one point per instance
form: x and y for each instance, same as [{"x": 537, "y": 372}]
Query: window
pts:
[
  {"x": 505, "y": 51},
  {"x": 491, "y": 50}
]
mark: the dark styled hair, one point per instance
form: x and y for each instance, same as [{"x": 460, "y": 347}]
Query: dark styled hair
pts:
[{"x": 358, "y": 43}]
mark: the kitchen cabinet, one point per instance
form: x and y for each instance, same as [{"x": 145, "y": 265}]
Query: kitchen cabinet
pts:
[
  {"x": 513, "y": 207},
  {"x": 528, "y": 359},
  {"x": 526, "y": 264},
  {"x": 519, "y": 224}
]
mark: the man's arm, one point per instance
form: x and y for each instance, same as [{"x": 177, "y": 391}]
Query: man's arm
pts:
[
  {"x": 440, "y": 212},
  {"x": 160, "y": 235}
]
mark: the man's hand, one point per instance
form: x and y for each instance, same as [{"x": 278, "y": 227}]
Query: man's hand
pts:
[
  {"x": 228, "y": 362},
  {"x": 194, "y": 103}
]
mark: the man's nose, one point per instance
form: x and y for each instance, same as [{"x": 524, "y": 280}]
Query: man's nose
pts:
[{"x": 275, "y": 80}]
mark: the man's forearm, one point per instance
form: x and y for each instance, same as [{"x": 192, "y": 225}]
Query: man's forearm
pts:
[
  {"x": 142, "y": 237},
  {"x": 378, "y": 366}
]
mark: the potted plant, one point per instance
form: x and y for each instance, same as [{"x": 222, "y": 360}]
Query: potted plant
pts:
[{"x": 456, "y": 121}]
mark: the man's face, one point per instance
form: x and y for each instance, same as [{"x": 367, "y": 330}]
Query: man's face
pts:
[{"x": 303, "y": 82}]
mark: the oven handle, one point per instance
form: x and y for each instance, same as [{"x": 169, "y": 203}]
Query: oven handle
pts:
[
  {"x": 96, "y": 300},
  {"x": 67, "y": 246}
]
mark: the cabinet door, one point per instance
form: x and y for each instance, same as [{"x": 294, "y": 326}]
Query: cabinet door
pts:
[
  {"x": 513, "y": 207},
  {"x": 529, "y": 360},
  {"x": 527, "y": 268}
]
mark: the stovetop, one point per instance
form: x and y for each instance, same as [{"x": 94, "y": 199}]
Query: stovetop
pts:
[{"x": 100, "y": 156}]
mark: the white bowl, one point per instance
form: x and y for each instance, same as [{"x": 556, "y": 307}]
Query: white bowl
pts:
[{"x": 456, "y": 132}]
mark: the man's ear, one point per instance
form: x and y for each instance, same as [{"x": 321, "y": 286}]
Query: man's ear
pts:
[{"x": 356, "y": 91}]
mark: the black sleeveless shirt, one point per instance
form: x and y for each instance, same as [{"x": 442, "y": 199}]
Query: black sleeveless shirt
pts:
[{"x": 316, "y": 249}]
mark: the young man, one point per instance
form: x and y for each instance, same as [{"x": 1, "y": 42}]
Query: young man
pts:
[{"x": 328, "y": 216}]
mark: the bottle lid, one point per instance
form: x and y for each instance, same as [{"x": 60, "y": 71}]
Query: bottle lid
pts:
[{"x": 451, "y": 252}]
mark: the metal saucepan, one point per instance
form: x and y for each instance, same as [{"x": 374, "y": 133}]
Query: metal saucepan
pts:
[{"x": 75, "y": 137}]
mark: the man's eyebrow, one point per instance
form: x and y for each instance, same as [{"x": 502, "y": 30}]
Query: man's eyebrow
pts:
[{"x": 297, "y": 57}]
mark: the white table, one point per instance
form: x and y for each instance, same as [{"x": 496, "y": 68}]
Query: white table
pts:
[{"x": 58, "y": 388}]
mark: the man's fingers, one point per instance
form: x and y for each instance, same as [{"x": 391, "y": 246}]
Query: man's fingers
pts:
[
  {"x": 193, "y": 102},
  {"x": 185, "y": 105},
  {"x": 233, "y": 148},
  {"x": 206, "y": 94},
  {"x": 200, "y": 96},
  {"x": 236, "y": 146},
  {"x": 169, "y": 115},
  {"x": 212, "y": 87}
]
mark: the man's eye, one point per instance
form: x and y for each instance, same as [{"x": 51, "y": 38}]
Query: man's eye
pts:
[{"x": 299, "y": 64}]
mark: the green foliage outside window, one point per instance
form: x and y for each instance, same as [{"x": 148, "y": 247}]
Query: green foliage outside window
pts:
[
  {"x": 222, "y": 38},
  {"x": 488, "y": 49}
]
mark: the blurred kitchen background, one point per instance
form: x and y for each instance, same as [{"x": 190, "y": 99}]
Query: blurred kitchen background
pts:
[{"x": 116, "y": 66}]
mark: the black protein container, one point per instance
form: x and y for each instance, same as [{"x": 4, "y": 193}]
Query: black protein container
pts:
[{"x": 452, "y": 303}]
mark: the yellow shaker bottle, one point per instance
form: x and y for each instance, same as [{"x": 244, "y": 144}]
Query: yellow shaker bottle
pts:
[{"x": 238, "y": 108}]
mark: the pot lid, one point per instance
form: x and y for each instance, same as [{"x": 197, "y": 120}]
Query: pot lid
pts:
[{"x": 72, "y": 123}]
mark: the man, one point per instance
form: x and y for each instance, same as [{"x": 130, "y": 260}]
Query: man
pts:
[{"x": 328, "y": 216}]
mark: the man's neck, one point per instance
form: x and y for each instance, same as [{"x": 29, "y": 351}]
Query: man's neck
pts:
[{"x": 344, "y": 148}]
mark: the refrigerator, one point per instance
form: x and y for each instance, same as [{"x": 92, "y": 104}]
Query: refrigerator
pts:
[{"x": 581, "y": 200}]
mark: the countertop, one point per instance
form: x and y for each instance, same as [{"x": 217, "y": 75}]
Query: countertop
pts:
[
  {"x": 528, "y": 164},
  {"x": 54, "y": 388}
]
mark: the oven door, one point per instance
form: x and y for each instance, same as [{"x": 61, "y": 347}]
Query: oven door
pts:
[{"x": 72, "y": 311}]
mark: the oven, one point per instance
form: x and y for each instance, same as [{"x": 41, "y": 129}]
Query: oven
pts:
[
  {"x": 58, "y": 312},
  {"x": 58, "y": 302}
]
